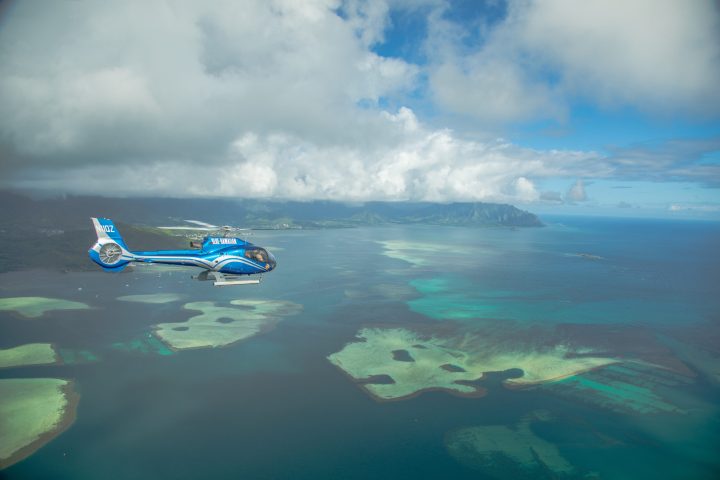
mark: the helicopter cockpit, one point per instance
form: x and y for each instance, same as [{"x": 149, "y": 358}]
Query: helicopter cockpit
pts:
[{"x": 261, "y": 255}]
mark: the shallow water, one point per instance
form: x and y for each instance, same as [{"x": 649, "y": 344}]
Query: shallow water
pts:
[{"x": 272, "y": 406}]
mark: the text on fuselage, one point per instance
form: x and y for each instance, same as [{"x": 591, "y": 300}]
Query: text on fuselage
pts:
[{"x": 223, "y": 241}]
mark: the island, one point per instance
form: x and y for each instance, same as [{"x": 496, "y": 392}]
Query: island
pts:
[
  {"x": 398, "y": 363},
  {"x": 218, "y": 326},
  {"x": 34, "y": 307},
  {"x": 33, "y": 411},
  {"x": 28, "y": 354}
]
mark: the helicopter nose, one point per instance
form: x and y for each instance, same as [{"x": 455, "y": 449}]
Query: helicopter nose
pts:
[{"x": 272, "y": 262}]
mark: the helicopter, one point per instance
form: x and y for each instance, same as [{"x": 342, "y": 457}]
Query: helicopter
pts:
[{"x": 228, "y": 260}]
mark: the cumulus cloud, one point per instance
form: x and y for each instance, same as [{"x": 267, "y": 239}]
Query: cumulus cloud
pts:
[
  {"x": 422, "y": 164},
  {"x": 277, "y": 99},
  {"x": 264, "y": 99},
  {"x": 658, "y": 56},
  {"x": 91, "y": 81},
  {"x": 576, "y": 193}
]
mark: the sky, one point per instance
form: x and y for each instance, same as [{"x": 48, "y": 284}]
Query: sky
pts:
[{"x": 603, "y": 107}]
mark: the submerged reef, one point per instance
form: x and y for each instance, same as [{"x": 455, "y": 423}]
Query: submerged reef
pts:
[
  {"x": 34, "y": 307},
  {"x": 153, "y": 298},
  {"x": 414, "y": 253},
  {"x": 631, "y": 388},
  {"x": 415, "y": 363},
  {"x": 499, "y": 451},
  {"x": 145, "y": 344},
  {"x": 217, "y": 326},
  {"x": 71, "y": 356},
  {"x": 420, "y": 254},
  {"x": 33, "y": 411}
]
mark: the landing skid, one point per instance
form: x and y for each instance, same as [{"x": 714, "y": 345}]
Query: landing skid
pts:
[
  {"x": 223, "y": 280},
  {"x": 225, "y": 283}
]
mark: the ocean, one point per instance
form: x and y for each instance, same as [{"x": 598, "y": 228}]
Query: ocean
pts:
[{"x": 643, "y": 295}]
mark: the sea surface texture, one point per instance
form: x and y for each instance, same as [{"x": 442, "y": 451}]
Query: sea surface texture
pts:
[{"x": 588, "y": 348}]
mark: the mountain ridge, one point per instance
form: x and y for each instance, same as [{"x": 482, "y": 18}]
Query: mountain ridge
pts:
[
  {"x": 56, "y": 232},
  {"x": 73, "y": 211}
]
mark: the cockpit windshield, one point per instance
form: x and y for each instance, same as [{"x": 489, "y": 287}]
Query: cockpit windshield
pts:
[{"x": 257, "y": 254}]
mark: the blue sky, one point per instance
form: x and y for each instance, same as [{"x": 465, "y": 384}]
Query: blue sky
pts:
[
  {"x": 597, "y": 107},
  {"x": 588, "y": 125}
]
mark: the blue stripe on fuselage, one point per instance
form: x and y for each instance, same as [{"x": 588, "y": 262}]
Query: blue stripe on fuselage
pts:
[{"x": 175, "y": 253}]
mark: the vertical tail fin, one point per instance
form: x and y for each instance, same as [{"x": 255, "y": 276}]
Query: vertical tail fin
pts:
[
  {"x": 105, "y": 228},
  {"x": 110, "y": 250}
]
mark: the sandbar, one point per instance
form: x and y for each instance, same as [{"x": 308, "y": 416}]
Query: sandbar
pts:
[
  {"x": 218, "y": 326},
  {"x": 33, "y": 307},
  {"x": 28, "y": 354},
  {"x": 33, "y": 411}
]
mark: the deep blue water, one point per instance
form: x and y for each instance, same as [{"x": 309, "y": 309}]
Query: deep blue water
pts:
[{"x": 273, "y": 407}]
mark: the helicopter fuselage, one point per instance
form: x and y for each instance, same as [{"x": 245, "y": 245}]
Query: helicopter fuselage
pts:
[
  {"x": 219, "y": 255},
  {"x": 233, "y": 256}
]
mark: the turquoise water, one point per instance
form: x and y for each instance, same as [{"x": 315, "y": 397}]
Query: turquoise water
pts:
[
  {"x": 274, "y": 407},
  {"x": 590, "y": 271}
]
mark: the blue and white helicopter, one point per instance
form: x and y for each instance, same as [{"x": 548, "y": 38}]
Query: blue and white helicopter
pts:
[{"x": 229, "y": 260}]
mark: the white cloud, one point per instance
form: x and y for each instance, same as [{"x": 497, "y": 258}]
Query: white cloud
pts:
[
  {"x": 656, "y": 55},
  {"x": 94, "y": 81},
  {"x": 525, "y": 190},
  {"x": 368, "y": 18},
  {"x": 491, "y": 89},
  {"x": 281, "y": 99},
  {"x": 421, "y": 164},
  {"x": 577, "y": 193}
]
